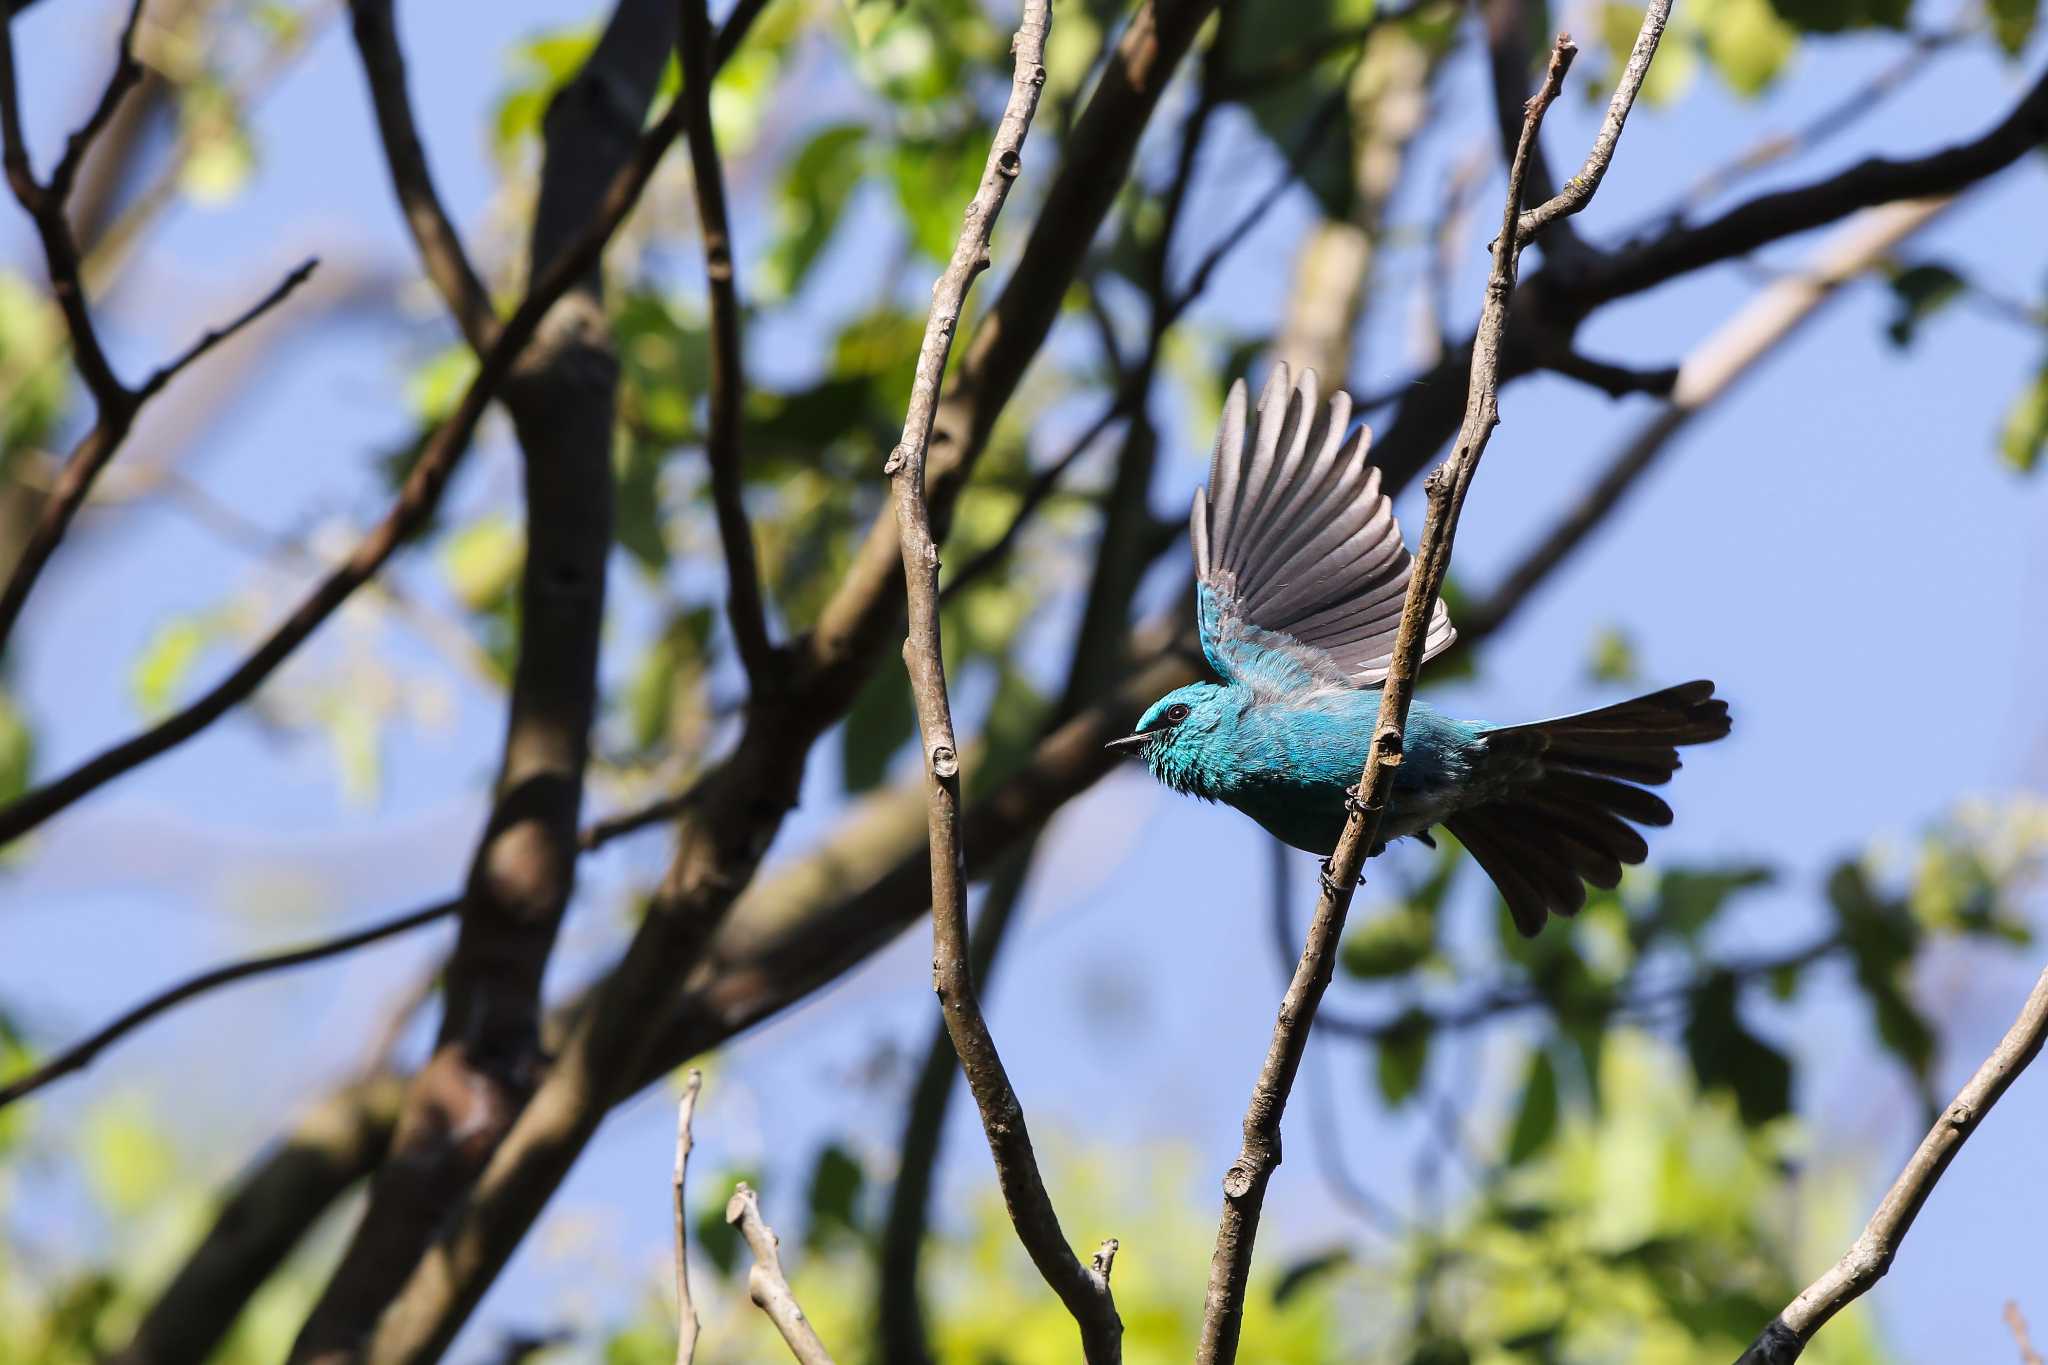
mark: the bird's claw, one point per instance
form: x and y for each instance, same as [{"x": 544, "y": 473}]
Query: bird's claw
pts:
[
  {"x": 1354, "y": 801},
  {"x": 1330, "y": 887}
]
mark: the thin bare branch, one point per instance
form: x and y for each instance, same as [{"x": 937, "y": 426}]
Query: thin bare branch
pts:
[
  {"x": 2017, "y": 1322},
  {"x": 1578, "y": 191},
  {"x": 1244, "y": 1184},
  {"x": 1085, "y": 1292},
  {"x": 686, "y": 1309},
  {"x": 97, "y": 449},
  {"x": 80, "y": 1055},
  {"x": 46, "y": 205},
  {"x": 744, "y": 608},
  {"x": 214, "y": 336},
  {"x": 1866, "y": 1261},
  {"x": 765, "y": 1282},
  {"x": 733, "y": 31},
  {"x": 440, "y": 245},
  {"x": 415, "y": 505}
]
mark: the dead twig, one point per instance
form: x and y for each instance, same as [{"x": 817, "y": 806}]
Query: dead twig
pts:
[
  {"x": 1867, "y": 1259},
  {"x": 686, "y": 1310},
  {"x": 767, "y": 1286}
]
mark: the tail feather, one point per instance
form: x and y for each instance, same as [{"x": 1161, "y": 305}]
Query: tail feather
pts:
[{"x": 1568, "y": 822}]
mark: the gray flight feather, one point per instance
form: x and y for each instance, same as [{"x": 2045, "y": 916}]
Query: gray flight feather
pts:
[{"x": 1295, "y": 536}]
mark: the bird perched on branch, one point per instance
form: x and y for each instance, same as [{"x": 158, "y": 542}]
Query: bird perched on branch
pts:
[{"x": 1302, "y": 577}]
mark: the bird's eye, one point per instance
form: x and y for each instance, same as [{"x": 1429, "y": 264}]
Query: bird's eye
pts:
[{"x": 1176, "y": 713}]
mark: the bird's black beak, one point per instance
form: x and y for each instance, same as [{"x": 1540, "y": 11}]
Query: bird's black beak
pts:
[{"x": 1130, "y": 743}]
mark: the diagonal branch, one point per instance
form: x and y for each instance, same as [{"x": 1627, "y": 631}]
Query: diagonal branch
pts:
[
  {"x": 1244, "y": 1185},
  {"x": 744, "y": 607},
  {"x": 1084, "y": 1291},
  {"x": 81, "y": 1054},
  {"x": 767, "y": 1285},
  {"x": 416, "y": 502},
  {"x": 440, "y": 246},
  {"x": 1865, "y": 1263}
]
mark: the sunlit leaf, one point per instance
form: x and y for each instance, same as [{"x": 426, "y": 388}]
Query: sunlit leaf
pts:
[
  {"x": 482, "y": 561},
  {"x": 2025, "y": 431},
  {"x": 17, "y": 748},
  {"x": 166, "y": 661},
  {"x": 1390, "y": 943},
  {"x": 2012, "y": 23},
  {"x": 1746, "y": 41}
]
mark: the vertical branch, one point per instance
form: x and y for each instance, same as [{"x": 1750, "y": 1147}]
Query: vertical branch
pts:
[
  {"x": 1865, "y": 1263},
  {"x": 1085, "y": 1291},
  {"x": 1244, "y": 1184},
  {"x": 722, "y": 443},
  {"x": 561, "y": 394},
  {"x": 686, "y": 1309}
]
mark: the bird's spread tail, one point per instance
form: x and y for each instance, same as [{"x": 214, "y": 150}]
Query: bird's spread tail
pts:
[{"x": 1570, "y": 821}]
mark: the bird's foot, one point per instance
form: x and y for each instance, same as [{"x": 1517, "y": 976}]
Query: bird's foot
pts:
[
  {"x": 1330, "y": 887},
  {"x": 1354, "y": 801}
]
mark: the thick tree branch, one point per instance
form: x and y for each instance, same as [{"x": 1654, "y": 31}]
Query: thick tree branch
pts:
[
  {"x": 265, "y": 1215},
  {"x": 440, "y": 246},
  {"x": 1865, "y": 1263},
  {"x": 1085, "y": 1293},
  {"x": 1555, "y": 300},
  {"x": 722, "y": 452},
  {"x": 562, "y": 398},
  {"x": 743, "y": 799},
  {"x": 766, "y": 1284},
  {"x": 415, "y": 505},
  {"x": 1244, "y": 1185}
]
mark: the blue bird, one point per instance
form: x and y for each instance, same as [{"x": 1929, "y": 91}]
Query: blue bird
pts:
[{"x": 1302, "y": 574}]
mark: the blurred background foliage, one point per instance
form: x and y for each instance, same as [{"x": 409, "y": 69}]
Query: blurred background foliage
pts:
[{"x": 1645, "y": 1196}]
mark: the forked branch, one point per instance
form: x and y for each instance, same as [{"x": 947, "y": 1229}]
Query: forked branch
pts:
[
  {"x": 1244, "y": 1184},
  {"x": 1084, "y": 1290}
]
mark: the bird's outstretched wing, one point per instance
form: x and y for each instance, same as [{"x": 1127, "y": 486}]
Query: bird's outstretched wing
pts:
[{"x": 1300, "y": 562}]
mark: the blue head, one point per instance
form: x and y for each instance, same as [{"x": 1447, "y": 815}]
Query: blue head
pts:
[{"x": 1186, "y": 737}]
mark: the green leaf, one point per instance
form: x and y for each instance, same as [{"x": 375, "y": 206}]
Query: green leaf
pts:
[
  {"x": 814, "y": 191},
  {"x": 17, "y": 749},
  {"x": 2012, "y": 23},
  {"x": 1746, "y": 41},
  {"x": 2025, "y": 431},
  {"x": 668, "y": 671},
  {"x": 935, "y": 179},
  {"x": 1389, "y": 944},
  {"x": 836, "y": 1183},
  {"x": 1614, "y": 657},
  {"x": 172, "y": 650},
  {"x": 1920, "y": 291},
  {"x": 1671, "y": 74},
  {"x": 1727, "y": 1056},
  {"x": 1403, "y": 1057},
  {"x": 482, "y": 561},
  {"x": 1688, "y": 899},
  {"x": 1536, "y": 1120}
]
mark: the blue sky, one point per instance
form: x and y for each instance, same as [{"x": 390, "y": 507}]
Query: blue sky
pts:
[{"x": 1834, "y": 544}]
